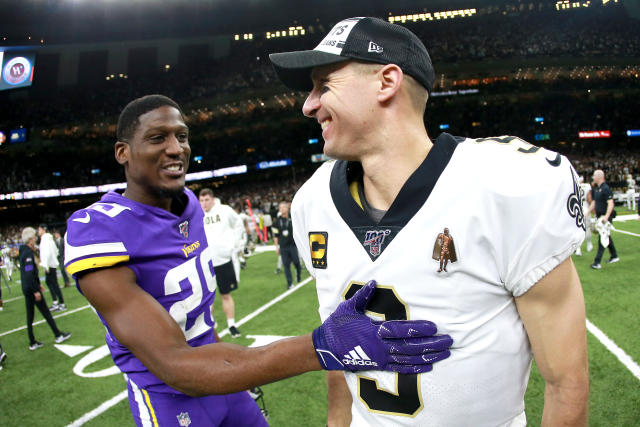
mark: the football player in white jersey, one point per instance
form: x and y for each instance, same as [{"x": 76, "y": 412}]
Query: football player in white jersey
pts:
[
  {"x": 221, "y": 224},
  {"x": 510, "y": 290}
]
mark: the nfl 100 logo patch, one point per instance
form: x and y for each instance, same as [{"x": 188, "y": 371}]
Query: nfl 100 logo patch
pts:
[{"x": 374, "y": 239}]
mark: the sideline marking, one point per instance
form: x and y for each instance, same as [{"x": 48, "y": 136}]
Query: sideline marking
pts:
[
  {"x": 626, "y": 232},
  {"x": 267, "y": 305},
  {"x": 100, "y": 409},
  {"x": 66, "y": 313},
  {"x": 623, "y": 357},
  {"x": 123, "y": 395}
]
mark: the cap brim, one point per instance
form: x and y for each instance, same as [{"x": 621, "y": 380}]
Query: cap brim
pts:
[{"x": 294, "y": 68}]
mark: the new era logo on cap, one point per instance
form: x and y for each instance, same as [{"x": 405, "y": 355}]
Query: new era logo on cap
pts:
[
  {"x": 357, "y": 356},
  {"x": 375, "y": 48}
]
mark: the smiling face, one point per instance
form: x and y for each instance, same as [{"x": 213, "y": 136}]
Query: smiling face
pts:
[
  {"x": 156, "y": 158},
  {"x": 342, "y": 101}
]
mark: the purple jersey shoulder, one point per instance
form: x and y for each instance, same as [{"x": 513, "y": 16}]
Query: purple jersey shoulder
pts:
[{"x": 168, "y": 254}]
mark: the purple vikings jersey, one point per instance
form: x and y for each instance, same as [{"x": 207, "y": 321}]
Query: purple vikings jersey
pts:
[{"x": 169, "y": 255}]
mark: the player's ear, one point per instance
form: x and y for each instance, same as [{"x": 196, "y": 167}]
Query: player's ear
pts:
[
  {"x": 121, "y": 151},
  {"x": 391, "y": 77}
]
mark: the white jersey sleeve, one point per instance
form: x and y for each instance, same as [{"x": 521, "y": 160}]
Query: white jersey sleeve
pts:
[{"x": 536, "y": 202}]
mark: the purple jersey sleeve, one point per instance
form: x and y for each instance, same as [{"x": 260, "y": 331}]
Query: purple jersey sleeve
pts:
[{"x": 167, "y": 252}]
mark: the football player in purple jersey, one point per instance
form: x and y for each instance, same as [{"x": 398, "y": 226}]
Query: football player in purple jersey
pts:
[{"x": 141, "y": 258}]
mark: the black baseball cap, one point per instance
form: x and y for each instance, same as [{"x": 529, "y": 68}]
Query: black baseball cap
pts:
[{"x": 364, "y": 39}]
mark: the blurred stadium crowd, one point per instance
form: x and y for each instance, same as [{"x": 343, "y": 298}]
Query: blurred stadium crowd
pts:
[{"x": 576, "y": 74}]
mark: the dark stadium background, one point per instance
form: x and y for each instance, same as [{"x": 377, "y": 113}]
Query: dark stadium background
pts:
[
  {"x": 574, "y": 66},
  {"x": 541, "y": 70}
]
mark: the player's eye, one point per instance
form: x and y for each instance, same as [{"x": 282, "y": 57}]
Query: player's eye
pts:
[
  {"x": 156, "y": 138},
  {"x": 183, "y": 137}
]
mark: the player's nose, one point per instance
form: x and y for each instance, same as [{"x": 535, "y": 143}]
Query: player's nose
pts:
[
  {"x": 312, "y": 103},
  {"x": 174, "y": 146}
]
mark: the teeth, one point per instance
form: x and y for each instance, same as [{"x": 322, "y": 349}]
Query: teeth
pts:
[
  {"x": 325, "y": 124},
  {"x": 174, "y": 168}
]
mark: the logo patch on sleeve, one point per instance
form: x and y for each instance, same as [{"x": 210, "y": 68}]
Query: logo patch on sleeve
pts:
[
  {"x": 574, "y": 205},
  {"x": 318, "y": 243}
]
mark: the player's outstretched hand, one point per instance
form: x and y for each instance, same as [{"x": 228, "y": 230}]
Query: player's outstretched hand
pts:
[{"x": 350, "y": 340}]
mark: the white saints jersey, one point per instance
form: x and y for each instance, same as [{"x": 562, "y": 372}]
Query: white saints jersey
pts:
[
  {"x": 221, "y": 225},
  {"x": 477, "y": 224}
]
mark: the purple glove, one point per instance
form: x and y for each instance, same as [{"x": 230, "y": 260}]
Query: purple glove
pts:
[{"x": 349, "y": 340}]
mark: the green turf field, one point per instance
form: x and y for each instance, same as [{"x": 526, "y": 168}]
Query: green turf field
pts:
[{"x": 50, "y": 388}]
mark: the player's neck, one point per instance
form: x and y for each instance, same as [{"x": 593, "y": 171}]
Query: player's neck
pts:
[
  {"x": 148, "y": 199},
  {"x": 385, "y": 172}
]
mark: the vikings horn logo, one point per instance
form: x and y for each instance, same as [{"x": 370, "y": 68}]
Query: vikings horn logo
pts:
[
  {"x": 184, "y": 229},
  {"x": 374, "y": 240}
]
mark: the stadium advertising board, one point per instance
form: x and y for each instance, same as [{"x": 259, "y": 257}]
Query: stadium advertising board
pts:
[
  {"x": 17, "y": 68},
  {"x": 231, "y": 170},
  {"x": 274, "y": 164},
  {"x": 595, "y": 134}
]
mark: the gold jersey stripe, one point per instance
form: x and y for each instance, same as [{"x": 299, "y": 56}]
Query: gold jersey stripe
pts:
[
  {"x": 353, "y": 189},
  {"x": 148, "y": 401},
  {"x": 98, "y": 262}
]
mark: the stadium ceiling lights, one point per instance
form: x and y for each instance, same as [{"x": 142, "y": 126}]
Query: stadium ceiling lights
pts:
[{"x": 428, "y": 16}]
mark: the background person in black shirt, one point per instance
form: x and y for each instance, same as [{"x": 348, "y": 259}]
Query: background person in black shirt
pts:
[
  {"x": 602, "y": 204},
  {"x": 285, "y": 246},
  {"x": 33, "y": 291}
]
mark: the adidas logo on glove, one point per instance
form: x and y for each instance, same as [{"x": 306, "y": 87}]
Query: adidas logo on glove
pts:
[{"x": 357, "y": 357}]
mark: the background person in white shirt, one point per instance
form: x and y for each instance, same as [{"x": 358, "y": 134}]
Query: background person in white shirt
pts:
[
  {"x": 220, "y": 225},
  {"x": 49, "y": 261}
]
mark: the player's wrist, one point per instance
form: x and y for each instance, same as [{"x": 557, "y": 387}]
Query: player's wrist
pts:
[{"x": 326, "y": 357}]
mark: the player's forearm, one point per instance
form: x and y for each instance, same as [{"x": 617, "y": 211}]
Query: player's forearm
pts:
[
  {"x": 223, "y": 368},
  {"x": 566, "y": 405},
  {"x": 339, "y": 400}
]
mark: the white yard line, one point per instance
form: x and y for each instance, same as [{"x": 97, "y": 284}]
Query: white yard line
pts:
[
  {"x": 123, "y": 395},
  {"x": 66, "y": 313},
  {"x": 100, "y": 409},
  {"x": 623, "y": 357},
  {"x": 267, "y": 305},
  {"x": 626, "y": 232}
]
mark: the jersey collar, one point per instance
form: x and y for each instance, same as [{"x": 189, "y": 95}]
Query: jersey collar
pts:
[{"x": 414, "y": 193}]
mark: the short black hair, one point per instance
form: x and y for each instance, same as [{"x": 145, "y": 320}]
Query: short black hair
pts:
[{"x": 129, "y": 117}]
